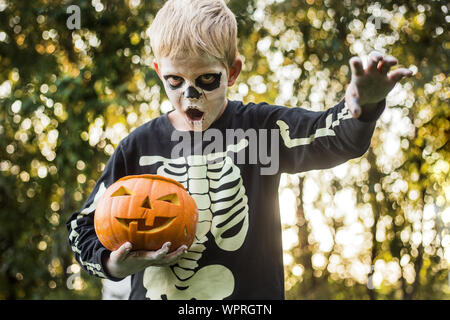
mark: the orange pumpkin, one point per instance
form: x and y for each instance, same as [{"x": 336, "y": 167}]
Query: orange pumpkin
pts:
[{"x": 146, "y": 210}]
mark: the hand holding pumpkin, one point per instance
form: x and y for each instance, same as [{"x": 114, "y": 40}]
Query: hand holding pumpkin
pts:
[
  {"x": 124, "y": 262},
  {"x": 147, "y": 214}
]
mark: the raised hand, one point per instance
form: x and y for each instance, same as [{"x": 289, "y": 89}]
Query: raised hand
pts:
[{"x": 371, "y": 85}]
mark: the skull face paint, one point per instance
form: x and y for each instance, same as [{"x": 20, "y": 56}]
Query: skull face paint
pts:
[
  {"x": 192, "y": 93},
  {"x": 196, "y": 87}
]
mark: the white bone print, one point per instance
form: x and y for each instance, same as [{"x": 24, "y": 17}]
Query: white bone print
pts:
[{"x": 215, "y": 183}]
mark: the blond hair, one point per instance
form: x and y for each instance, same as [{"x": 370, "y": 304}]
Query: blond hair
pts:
[{"x": 195, "y": 27}]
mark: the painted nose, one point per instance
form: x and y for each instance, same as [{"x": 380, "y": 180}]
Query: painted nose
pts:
[{"x": 192, "y": 93}]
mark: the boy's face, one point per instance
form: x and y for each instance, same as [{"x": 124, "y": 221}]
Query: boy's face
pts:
[{"x": 197, "y": 87}]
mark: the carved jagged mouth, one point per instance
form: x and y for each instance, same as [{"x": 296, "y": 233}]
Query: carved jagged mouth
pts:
[{"x": 139, "y": 224}]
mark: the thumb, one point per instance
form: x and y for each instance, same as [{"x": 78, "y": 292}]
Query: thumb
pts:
[
  {"x": 121, "y": 253},
  {"x": 352, "y": 102},
  {"x": 354, "y": 107}
]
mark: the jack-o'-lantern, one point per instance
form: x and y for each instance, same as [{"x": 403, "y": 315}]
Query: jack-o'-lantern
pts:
[{"x": 146, "y": 210}]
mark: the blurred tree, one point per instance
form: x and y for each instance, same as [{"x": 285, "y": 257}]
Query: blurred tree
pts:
[
  {"x": 395, "y": 242},
  {"x": 69, "y": 96}
]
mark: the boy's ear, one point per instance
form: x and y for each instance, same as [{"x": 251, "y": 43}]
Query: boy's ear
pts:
[
  {"x": 156, "y": 66},
  {"x": 234, "y": 71}
]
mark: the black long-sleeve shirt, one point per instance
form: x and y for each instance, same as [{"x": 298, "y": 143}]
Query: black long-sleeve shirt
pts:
[{"x": 233, "y": 175}]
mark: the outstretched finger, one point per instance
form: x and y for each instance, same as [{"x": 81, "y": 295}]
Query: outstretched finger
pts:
[
  {"x": 121, "y": 253},
  {"x": 175, "y": 255},
  {"x": 374, "y": 58},
  {"x": 161, "y": 253},
  {"x": 356, "y": 66},
  {"x": 386, "y": 64},
  {"x": 151, "y": 255},
  {"x": 396, "y": 75}
]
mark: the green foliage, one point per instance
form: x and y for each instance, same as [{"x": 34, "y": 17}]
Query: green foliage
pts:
[
  {"x": 69, "y": 96},
  {"x": 62, "y": 82}
]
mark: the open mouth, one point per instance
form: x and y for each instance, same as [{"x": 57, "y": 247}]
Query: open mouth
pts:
[{"x": 194, "y": 114}]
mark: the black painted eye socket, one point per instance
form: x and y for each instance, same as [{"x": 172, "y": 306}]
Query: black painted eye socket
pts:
[
  {"x": 209, "y": 81},
  {"x": 207, "y": 78},
  {"x": 174, "y": 81}
]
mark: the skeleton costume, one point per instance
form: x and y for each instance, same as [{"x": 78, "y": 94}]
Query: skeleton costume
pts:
[{"x": 237, "y": 252}]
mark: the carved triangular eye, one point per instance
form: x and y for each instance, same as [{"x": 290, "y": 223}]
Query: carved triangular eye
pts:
[
  {"x": 171, "y": 198},
  {"x": 146, "y": 203},
  {"x": 122, "y": 191}
]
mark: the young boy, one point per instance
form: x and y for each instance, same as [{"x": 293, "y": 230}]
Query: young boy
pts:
[{"x": 237, "y": 253}]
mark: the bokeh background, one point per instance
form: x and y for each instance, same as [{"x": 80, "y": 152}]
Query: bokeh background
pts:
[{"x": 376, "y": 227}]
